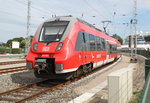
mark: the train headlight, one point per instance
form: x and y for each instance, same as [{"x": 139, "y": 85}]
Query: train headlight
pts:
[
  {"x": 35, "y": 46},
  {"x": 59, "y": 46}
]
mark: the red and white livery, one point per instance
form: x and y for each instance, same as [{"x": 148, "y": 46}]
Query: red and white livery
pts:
[{"x": 65, "y": 47}]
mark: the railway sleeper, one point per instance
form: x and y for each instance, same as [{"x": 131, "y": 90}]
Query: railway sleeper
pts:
[
  {"x": 8, "y": 99},
  {"x": 19, "y": 95}
]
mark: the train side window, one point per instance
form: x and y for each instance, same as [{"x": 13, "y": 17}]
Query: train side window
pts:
[
  {"x": 92, "y": 42},
  {"x": 115, "y": 49},
  {"x": 98, "y": 43},
  {"x": 87, "y": 41},
  {"x": 79, "y": 42},
  {"x": 103, "y": 44},
  {"x": 110, "y": 49}
]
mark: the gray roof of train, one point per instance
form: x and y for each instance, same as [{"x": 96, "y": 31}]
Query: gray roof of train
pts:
[{"x": 65, "y": 18}]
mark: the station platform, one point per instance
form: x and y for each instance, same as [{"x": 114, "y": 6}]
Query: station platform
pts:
[{"x": 99, "y": 93}]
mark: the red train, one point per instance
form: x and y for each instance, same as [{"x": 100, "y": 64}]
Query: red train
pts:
[{"x": 66, "y": 47}]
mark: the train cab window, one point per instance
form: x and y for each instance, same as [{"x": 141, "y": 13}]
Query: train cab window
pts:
[
  {"x": 92, "y": 42},
  {"x": 52, "y": 31}
]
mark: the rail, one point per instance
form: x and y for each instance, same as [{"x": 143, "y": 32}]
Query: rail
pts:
[
  {"x": 12, "y": 62},
  {"x": 12, "y": 69},
  {"x": 27, "y": 92},
  {"x": 146, "y": 91}
]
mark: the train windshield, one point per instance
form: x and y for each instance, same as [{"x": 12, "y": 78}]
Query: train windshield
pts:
[{"x": 53, "y": 31}]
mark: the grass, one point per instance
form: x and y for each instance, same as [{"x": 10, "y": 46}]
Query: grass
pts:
[{"x": 136, "y": 97}]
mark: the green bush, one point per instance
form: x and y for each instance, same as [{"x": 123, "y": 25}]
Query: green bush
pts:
[
  {"x": 7, "y": 50},
  {"x": 10, "y": 50},
  {"x": 16, "y": 51},
  {"x": 2, "y": 50}
]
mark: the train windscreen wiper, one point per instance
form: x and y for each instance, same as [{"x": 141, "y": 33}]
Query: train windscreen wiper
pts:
[
  {"x": 49, "y": 41},
  {"x": 58, "y": 34}
]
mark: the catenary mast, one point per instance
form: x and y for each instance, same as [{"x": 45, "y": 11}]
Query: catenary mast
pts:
[
  {"x": 28, "y": 27},
  {"x": 133, "y": 33}
]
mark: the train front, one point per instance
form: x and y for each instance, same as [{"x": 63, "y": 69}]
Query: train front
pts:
[{"x": 48, "y": 49}]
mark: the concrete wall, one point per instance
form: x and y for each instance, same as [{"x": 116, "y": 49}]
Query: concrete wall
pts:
[{"x": 120, "y": 85}]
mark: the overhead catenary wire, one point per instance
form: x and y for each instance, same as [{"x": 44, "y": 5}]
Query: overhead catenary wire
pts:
[
  {"x": 11, "y": 14},
  {"x": 95, "y": 10},
  {"x": 34, "y": 7},
  {"x": 14, "y": 14}
]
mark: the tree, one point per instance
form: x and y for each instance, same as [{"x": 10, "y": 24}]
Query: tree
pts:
[
  {"x": 9, "y": 43},
  {"x": 2, "y": 44},
  {"x": 118, "y": 38},
  {"x": 22, "y": 44},
  {"x": 19, "y": 39}
]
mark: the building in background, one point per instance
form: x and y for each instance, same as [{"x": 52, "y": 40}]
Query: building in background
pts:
[{"x": 143, "y": 41}]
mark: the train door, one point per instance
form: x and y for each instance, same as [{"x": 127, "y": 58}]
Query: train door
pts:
[
  {"x": 84, "y": 49},
  {"x": 108, "y": 51},
  {"x": 82, "y": 46}
]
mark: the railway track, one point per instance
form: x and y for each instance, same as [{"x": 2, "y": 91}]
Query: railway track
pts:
[
  {"x": 11, "y": 70},
  {"x": 32, "y": 91},
  {"x": 27, "y": 92},
  {"x": 12, "y": 62}
]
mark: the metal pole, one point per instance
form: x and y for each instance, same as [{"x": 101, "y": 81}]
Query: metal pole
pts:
[
  {"x": 134, "y": 36},
  {"x": 131, "y": 40},
  {"x": 135, "y": 14},
  {"x": 28, "y": 27}
]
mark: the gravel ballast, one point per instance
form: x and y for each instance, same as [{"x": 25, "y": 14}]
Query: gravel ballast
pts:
[
  {"x": 65, "y": 94},
  {"x": 71, "y": 91},
  {"x": 15, "y": 80}
]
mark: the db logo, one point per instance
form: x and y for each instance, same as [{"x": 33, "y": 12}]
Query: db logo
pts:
[{"x": 45, "y": 49}]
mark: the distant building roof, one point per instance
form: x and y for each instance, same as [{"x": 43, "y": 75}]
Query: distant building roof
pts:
[
  {"x": 1, "y": 42},
  {"x": 141, "y": 38}
]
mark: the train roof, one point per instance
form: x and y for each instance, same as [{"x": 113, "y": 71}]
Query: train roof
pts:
[
  {"x": 110, "y": 39},
  {"x": 72, "y": 19}
]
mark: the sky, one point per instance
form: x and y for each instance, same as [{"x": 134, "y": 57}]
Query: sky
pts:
[{"x": 13, "y": 15}]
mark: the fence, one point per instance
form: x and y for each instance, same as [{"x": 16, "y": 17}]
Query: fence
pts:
[
  {"x": 146, "y": 90},
  {"x": 145, "y": 53}
]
